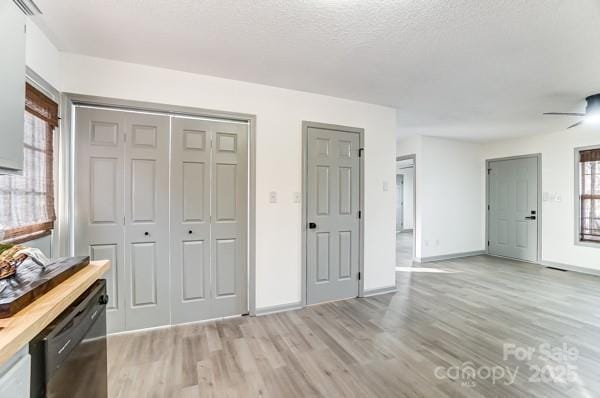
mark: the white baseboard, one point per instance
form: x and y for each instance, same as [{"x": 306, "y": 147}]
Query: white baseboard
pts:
[
  {"x": 448, "y": 256},
  {"x": 379, "y": 290},
  {"x": 279, "y": 308},
  {"x": 574, "y": 268}
]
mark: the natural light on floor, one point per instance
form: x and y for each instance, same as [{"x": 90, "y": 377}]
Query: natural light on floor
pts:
[{"x": 422, "y": 269}]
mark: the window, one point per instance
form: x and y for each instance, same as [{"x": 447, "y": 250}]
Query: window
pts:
[
  {"x": 589, "y": 195},
  {"x": 27, "y": 200}
]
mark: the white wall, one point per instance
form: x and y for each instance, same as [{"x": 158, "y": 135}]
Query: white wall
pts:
[
  {"x": 280, "y": 113},
  {"x": 449, "y": 195},
  {"x": 42, "y": 56},
  {"x": 558, "y": 177}
]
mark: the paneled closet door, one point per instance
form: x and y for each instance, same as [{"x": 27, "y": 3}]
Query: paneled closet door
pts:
[
  {"x": 229, "y": 193},
  {"x": 146, "y": 210},
  {"x": 208, "y": 219},
  {"x": 190, "y": 220},
  {"x": 99, "y": 200}
]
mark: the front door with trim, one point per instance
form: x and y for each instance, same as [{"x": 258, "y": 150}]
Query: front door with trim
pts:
[
  {"x": 513, "y": 208},
  {"x": 332, "y": 233}
]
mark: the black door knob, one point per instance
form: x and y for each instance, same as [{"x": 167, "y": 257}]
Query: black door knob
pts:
[
  {"x": 146, "y": 233},
  {"x": 530, "y": 218},
  {"x": 312, "y": 225},
  {"x": 190, "y": 232}
]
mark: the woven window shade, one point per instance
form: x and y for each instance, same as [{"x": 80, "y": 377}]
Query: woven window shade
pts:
[{"x": 27, "y": 200}]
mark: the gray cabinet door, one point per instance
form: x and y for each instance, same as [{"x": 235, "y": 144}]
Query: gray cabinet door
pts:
[
  {"x": 513, "y": 206},
  {"x": 100, "y": 136},
  {"x": 12, "y": 86},
  {"x": 332, "y": 251},
  {"x": 146, "y": 211},
  {"x": 209, "y": 175}
]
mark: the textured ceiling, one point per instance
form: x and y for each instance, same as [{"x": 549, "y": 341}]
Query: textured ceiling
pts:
[{"x": 473, "y": 69}]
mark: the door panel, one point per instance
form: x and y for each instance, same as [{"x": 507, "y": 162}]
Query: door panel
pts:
[
  {"x": 513, "y": 201},
  {"x": 332, "y": 250},
  {"x": 229, "y": 183},
  {"x": 99, "y": 160},
  {"x": 146, "y": 214},
  {"x": 208, "y": 253}
]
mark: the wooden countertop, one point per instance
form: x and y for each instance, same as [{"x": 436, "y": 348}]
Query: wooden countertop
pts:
[{"x": 21, "y": 328}]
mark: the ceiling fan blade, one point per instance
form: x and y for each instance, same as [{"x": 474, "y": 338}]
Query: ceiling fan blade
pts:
[
  {"x": 575, "y": 125},
  {"x": 564, "y": 114}
]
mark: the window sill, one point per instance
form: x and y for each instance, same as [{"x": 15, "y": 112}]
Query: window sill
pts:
[{"x": 586, "y": 243}]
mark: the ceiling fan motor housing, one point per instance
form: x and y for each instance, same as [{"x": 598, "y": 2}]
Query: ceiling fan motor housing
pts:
[{"x": 593, "y": 104}]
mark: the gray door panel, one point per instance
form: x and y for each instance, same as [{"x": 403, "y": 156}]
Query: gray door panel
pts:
[
  {"x": 208, "y": 213},
  {"x": 332, "y": 251},
  {"x": 513, "y": 200},
  {"x": 229, "y": 183},
  {"x": 190, "y": 220},
  {"x": 146, "y": 210},
  {"x": 99, "y": 200}
]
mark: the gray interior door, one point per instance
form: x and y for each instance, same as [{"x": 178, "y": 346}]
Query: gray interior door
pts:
[
  {"x": 513, "y": 208},
  {"x": 99, "y": 215},
  {"x": 332, "y": 233},
  {"x": 208, "y": 219},
  {"x": 399, "y": 202}
]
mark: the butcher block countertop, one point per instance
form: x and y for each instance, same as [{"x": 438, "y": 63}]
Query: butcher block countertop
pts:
[{"x": 18, "y": 330}]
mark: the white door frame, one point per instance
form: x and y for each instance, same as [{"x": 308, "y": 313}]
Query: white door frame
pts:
[
  {"x": 361, "y": 195},
  {"x": 68, "y": 103},
  {"x": 414, "y": 212},
  {"x": 537, "y": 156}
]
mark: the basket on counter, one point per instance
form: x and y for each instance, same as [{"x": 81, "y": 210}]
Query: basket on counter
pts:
[{"x": 10, "y": 259}]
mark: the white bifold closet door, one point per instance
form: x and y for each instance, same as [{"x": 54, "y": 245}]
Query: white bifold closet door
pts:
[
  {"x": 173, "y": 227},
  {"x": 209, "y": 187}
]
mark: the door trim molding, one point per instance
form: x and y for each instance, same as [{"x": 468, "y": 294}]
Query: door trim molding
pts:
[
  {"x": 537, "y": 156},
  {"x": 361, "y": 197},
  {"x": 412, "y": 156},
  {"x": 70, "y": 100}
]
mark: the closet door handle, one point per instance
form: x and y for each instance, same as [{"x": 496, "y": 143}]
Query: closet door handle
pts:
[
  {"x": 147, "y": 233},
  {"x": 190, "y": 232}
]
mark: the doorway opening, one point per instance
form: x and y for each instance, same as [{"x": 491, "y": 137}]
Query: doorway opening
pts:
[{"x": 405, "y": 210}]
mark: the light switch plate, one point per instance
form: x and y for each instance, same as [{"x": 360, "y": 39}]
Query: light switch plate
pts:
[
  {"x": 386, "y": 186},
  {"x": 297, "y": 197},
  {"x": 273, "y": 197}
]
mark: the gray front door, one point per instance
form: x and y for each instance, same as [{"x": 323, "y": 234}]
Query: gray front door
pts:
[
  {"x": 332, "y": 233},
  {"x": 513, "y": 208}
]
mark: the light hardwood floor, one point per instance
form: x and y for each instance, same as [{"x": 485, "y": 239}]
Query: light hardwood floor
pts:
[
  {"x": 404, "y": 249},
  {"x": 458, "y": 314}
]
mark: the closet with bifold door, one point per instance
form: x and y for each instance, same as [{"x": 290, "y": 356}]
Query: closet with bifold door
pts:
[{"x": 164, "y": 197}]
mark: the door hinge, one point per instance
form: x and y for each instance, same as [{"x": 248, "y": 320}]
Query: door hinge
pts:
[
  {"x": 488, "y": 207},
  {"x": 123, "y": 220},
  {"x": 488, "y": 242},
  {"x": 359, "y": 276},
  {"x": 359, "y": 214},
  {"x": 489, "y": 171},
  {"x": 360, "y": 152}
]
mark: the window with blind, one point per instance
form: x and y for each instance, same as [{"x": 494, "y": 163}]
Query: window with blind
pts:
[
  {"x": 27, "y": 200},
  {"x": 589, "y": 195}
]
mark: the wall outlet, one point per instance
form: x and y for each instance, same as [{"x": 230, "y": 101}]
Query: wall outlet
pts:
[{"x": 273, "y": 197}]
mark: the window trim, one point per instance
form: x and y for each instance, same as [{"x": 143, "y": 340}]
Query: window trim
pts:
[{"x": 576, "y": 196}]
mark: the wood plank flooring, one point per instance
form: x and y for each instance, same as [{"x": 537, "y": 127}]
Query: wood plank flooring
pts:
[{"x": 458, "y": 315}]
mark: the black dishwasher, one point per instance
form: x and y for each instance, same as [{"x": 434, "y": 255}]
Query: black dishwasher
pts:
[{"x": 68, "y": 358}]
